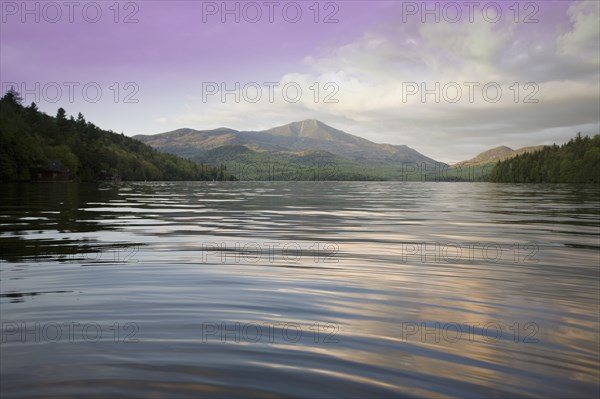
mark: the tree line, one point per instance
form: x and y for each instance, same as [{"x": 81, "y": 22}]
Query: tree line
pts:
[
  {"x": 577, "y": 161},
  {"x": 32, "y": 142}
]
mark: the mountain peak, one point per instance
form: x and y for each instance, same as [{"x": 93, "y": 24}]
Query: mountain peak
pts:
[
  {"x": 312, "y": 122},
  {"x": 309, "y": 124},
  {"x": 307, "y": 128},
  {"x": 492, "y": 155},
  {"x": 501, "y": 148}
]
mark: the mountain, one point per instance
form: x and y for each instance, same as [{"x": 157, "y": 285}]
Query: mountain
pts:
[
  {"x": 36, "y": 146},
  {"x": 293, "y": 142},
  {"x": 500, "y": 153},
  {"x": 307, "y": 135}
]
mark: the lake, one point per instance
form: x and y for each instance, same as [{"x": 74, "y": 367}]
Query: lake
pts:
[{"x": 299, "y": 289}]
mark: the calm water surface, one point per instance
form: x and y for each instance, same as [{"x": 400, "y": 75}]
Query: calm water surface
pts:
[{"x": 311, "y": 289}]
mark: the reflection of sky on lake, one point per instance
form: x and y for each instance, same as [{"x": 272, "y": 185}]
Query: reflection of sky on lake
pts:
[{"x": 344, "y": 255}]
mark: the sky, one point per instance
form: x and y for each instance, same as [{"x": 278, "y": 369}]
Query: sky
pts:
[{"x": 447, "y": 78}]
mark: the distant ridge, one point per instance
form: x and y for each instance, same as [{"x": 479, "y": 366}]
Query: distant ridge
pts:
[
  {"x": 306, "y": 135},
  {"x": 500, "y": 153}
]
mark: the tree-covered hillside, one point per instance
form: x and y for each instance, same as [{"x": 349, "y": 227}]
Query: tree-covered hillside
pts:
[
  {"x": 247, "y": 164},
  {"x": 577, "y": 161},
  {"x": 33, "y": 145}
]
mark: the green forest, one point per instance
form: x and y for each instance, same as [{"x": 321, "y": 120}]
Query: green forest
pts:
[
  {"x": 36, "y": 146},
  {"x": 577, "y": 161}
]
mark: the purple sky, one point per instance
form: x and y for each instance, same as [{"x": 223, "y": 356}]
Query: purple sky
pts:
[{"x": 372, "y": 52}]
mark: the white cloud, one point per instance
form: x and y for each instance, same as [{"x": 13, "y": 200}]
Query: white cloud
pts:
[
  {"x": 583, "y": 40},
  {"x": 372, "y": 73}
]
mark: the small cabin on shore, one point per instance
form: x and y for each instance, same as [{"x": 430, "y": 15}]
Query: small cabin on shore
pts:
[{"x": 55, "y": 171}]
